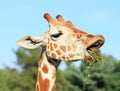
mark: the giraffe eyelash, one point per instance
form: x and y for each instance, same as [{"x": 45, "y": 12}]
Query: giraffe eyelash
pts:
[{"x": 56, "y": 35}]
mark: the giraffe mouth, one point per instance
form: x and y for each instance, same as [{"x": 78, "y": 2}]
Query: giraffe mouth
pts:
[{"x": 93, "y": 51}]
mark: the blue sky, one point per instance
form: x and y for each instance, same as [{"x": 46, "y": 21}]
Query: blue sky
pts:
[{"x": 25, "y": 17}]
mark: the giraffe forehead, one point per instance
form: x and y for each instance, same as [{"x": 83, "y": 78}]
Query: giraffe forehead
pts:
[{"x": 55, "y": 29}]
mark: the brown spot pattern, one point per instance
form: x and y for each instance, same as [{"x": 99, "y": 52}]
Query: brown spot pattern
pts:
[
  {"x": 51, "y": 47},
  {"x": 55, "y": 45},
  {"x": 45, "y": 69},
  {"x": 58, "y": 52},
  {"x": 44, "y": 84},
  {"x": 53, "y": 55},
  {"x": 63, "y": 48},
  {"x": 69, "y": 48},
  {"x": 71, "y": 55}
]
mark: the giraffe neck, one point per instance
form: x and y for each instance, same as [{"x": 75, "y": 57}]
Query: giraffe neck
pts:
[{"x": 46, "y": 77}]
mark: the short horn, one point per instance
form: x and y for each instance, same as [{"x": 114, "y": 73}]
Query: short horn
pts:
[
  {"x": 49, "y": 18},
  {"x": 59, "y": 18}
]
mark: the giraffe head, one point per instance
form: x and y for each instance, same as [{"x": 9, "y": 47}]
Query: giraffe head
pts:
[{"x": 64, "y": 41}]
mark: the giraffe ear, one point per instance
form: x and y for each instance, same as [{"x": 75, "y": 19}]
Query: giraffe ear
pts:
[{"x": 30, "y": 42}]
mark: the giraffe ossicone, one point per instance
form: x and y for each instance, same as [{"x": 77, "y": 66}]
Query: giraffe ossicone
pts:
[{"x": 63, "y": 41}]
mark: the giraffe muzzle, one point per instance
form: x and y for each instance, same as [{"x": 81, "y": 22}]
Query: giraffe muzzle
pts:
[{"x": 93, "y": 48}]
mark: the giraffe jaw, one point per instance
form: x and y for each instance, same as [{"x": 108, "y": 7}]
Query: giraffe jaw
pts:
[{"x": 93, "y": 51}]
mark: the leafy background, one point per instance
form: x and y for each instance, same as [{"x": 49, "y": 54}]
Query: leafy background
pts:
[{"x": 101, "y": 76}]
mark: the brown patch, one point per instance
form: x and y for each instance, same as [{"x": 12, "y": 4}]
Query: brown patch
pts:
[
  {"x": 69, "y": 48},
  {"x": 63, "y": 57},
  {"x": 55, "y": 45},
  {"x": 54, "y": 87},
  {"x": 71, "y": 55},
  {"x": 63, "y": 48},
  {"x": 45, "y": 69},
  {"x": 67, "y": 58},
  {"x": 53, "y": 55},
  {"x": 44, "y": 84},
  {"x": 51, "y": 47},
  {"x": 58, "y": 52}
]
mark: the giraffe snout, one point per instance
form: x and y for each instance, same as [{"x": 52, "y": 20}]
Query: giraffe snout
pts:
[{"x": 93, "y": 43}]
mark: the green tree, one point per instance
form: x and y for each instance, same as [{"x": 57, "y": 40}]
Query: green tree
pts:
[
  {"x": 9, "y": 80},
  {"x": 28, "y": 61},
  {"x": 100, "y": 76}
]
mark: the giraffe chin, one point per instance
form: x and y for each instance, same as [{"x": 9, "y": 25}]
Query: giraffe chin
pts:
[{"x": 93, "y": 53}]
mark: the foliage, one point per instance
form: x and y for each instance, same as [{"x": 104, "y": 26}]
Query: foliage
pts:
[
  {"x": 28, "y": 60},
  {"x": 23, "y": 79},
  {"x": 8, "y": 81},
  {"x": 101, "y": 76}
]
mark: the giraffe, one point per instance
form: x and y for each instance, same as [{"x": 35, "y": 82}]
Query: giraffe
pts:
[{"x": 63, "y": 41}]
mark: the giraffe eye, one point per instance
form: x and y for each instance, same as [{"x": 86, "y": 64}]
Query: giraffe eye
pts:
[{"x": 56, "y": 35}]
